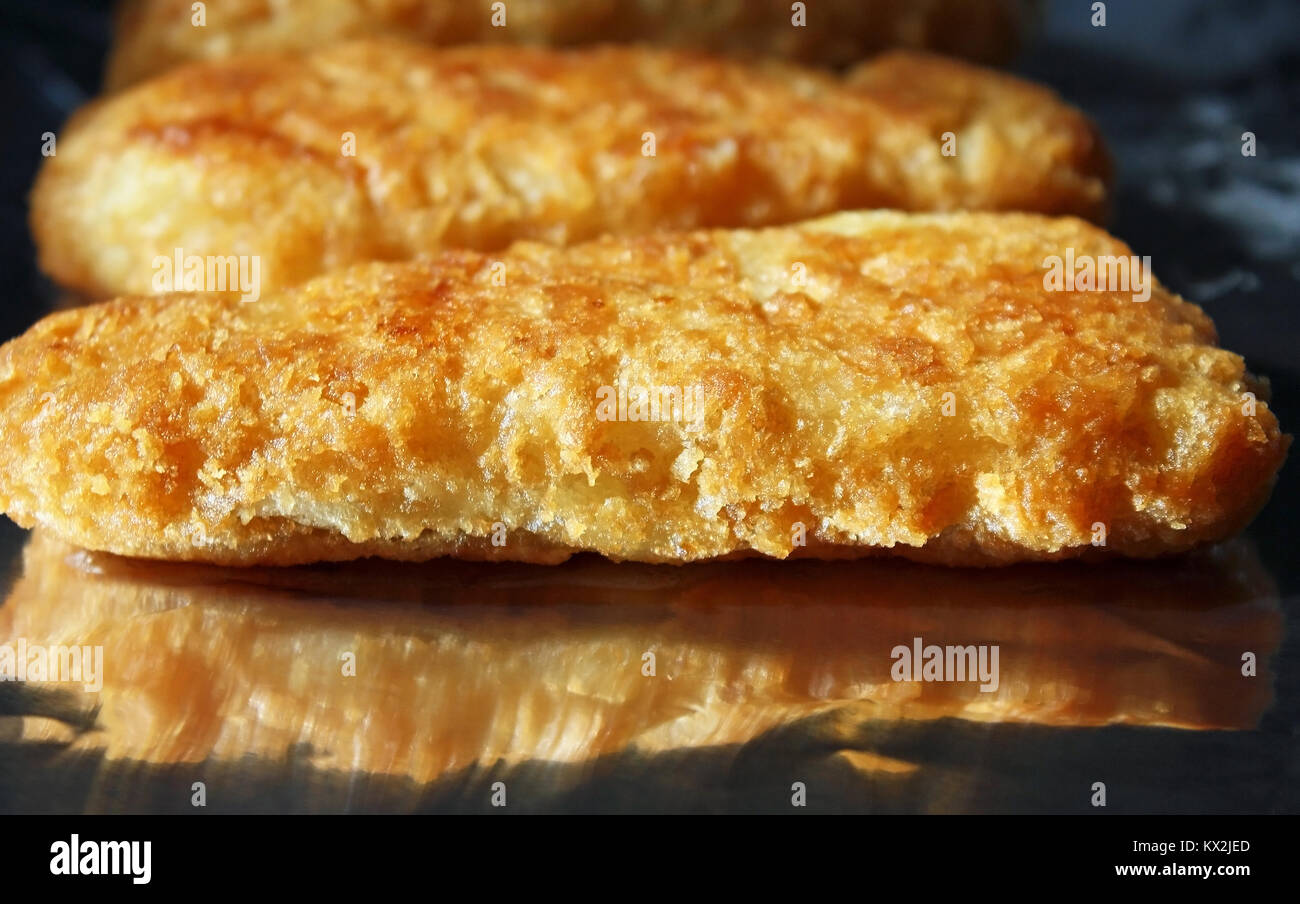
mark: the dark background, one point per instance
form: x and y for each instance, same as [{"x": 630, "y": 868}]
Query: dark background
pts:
[{"x": 1173, "y": 84}]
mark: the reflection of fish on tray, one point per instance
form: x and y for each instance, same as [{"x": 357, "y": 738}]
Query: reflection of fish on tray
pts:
[{"x": 461, "y": 664}]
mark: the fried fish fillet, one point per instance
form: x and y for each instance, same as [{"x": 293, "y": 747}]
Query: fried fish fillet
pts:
[
  {"x": 154, "y": 35},
  {"x": 477, "y": 147},
  {"x": 867, "y": 382}
]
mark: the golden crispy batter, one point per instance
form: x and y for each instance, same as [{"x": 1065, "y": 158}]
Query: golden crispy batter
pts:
[
  {"x": 547, "y": 668},
  {"x": 154, "y": 35},
  {"x": 477, "y": 147},
  {"x": 892, "y": 382}
]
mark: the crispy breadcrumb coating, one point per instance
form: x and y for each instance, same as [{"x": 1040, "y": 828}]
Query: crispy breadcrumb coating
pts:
[
  {"x": 154, "y": 35},
  {"x": 891, "y": 382},
  {"x": 477, "y": 147}
]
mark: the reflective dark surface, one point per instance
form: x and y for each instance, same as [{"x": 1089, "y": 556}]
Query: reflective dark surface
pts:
[
  {"x": 765, "y": 674},
  {"x": 600, "y": 686}
]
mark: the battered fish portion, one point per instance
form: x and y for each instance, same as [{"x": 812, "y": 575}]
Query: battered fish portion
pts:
[
  {"x": 867, "y": 382},
  {"x": 382, "y": 151},
  {"x": 154, "y": 35}
]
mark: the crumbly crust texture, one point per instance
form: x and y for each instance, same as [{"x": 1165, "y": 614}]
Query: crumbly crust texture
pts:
[
  {"x": 382, "y": 151},
  {"x": 893, "y": 383}
]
